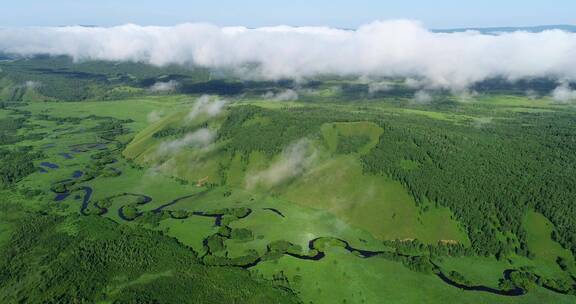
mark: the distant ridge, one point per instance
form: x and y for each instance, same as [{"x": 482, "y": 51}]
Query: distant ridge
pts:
[{"x": 507, "y": 29}]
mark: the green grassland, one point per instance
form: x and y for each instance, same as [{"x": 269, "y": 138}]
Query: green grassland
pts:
[
  {"x": 546, "y": 251},
  {"x": 376, "y": 280},
  {"x": 374, "y": 203},
  {"x": 380, "y": 175}
]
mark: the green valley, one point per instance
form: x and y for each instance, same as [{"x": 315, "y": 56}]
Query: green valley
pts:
[{"x": 217, "y": 197}]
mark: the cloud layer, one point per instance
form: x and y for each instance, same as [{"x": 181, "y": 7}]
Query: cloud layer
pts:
[
  {"x": 197, "y": 139},
  {"x": 564, "y": 93},
  {"x": 167, "y": 86},
  {"x": 206, "y": 105},
  {"x": 294, "y": 161},
  {"x": 397, "y": 48},
  {"x": 286, "y": 95},
  {"x": 422, "y": 97}
]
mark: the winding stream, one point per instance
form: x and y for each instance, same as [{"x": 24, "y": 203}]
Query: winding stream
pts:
[
  {"x": 312, "y": 246},
  {"x": 319, "y": 254},
  {"x": 507, "y": 273},
  {"x": 275, "y": 211},
  {"x": 145, "y": 200}
]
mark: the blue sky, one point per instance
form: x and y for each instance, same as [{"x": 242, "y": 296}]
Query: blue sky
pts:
[{"x": 253, "y": 13}]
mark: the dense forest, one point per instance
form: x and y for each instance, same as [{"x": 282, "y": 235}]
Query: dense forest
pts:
[
  {"x": 55, "y": 259},
  {"x": 15, "y": 162},
  {"x": 488, "y": 176},
  {"x": 270, "y": 138}
]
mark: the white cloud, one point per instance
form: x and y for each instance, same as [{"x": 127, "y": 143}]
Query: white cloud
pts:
[
  {"x": 294, "y": 161},
  {"x": 198, "y": 139},
  {"x": 375, "y": 87},
  {"x": 205, "y": 104},
  {"x": 32, "y": 85},
  {"x": 414, "y": 83},
  {"x": 164, "y": 86},
  {"x": 154, "y": 116},
  {"x": 564, "y": 93},
  {"x": 286, "y": 95},
  {"x": 396, "y": 48},
  {"x": 532, "y": 94},
  {"x": 422, "y": 97},
  {"x": 465, "y": 95}
]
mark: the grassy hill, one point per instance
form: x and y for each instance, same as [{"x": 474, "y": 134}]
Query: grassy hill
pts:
[{"x": 333, "y": 181}]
